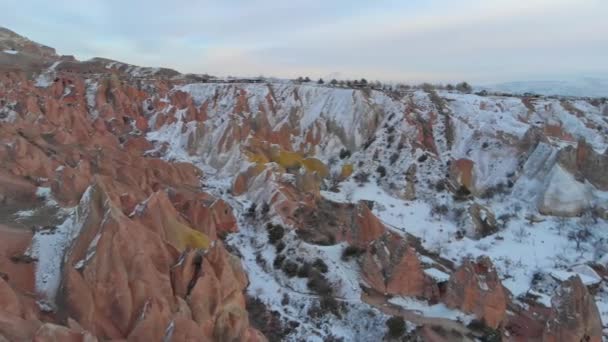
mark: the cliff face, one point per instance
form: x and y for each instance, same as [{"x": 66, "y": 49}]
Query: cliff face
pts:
[{"x": 134, "y": 202}]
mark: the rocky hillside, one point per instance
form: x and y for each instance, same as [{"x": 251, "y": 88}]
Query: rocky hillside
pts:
[{"x": 143, "y": 204}]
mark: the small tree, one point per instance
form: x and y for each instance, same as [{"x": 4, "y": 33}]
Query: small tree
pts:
[
  {"x": 464, "y": 87},
  {"x": 333, "y": 82},
  {"x": 396, "y": 326},
  {"x": 449, "y": 87},
  {"x": 344, "y": 153},
  {"x": 579, "y": 236},
  {"x": 300, "y": 79},
  {"x": 307, "y": 79},
  {"x": 427, "y": 87},
  {"x": 320, "y": 81},
  {"x": 381, "y": 171},
  {"x": 265, "y": 209},
  {"x": 251, "y": 210},
  {"x": 363, "y": 81}
]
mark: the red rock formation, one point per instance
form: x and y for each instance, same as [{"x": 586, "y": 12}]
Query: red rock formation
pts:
[
  {"x": 475, "y": 288},
  {"x": 140, "y": 218},
  {"x": 574, "y": 315},
  {"x": 391, "y": 266},
  {"x": 131, "y": 258}
]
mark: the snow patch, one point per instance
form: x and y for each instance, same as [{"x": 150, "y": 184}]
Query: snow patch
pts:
[
  {"x": 436, "y": 310},
  {"x": 49, "y": 249}
]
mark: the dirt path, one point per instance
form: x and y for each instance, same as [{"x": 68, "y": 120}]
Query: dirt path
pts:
[{"x": 381, "y": 303}]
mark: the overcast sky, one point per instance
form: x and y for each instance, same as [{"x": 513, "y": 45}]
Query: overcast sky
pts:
[{"x": 392, "y": 40}]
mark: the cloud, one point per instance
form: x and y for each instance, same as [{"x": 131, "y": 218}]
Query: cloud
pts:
[{"x": 436, "y": 40}]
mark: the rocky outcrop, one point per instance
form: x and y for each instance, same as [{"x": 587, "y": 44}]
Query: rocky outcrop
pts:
[
  {"x": 564, "y": 195},
  {"x": 326, "y": 222},
  {"x": 574, "y": 183},
  {"x": 585, "y": 163},
  {"x": 410, "y": 183},
  {"x": 462, "y": 175},
  {"x": 476, "y": 288},
  {"x": 131, "y": 257},
  {"x": 209, "y": 215},
  {"x": 482, "y": 220},
  {"x": 391, "y": 266},
  {"x": 574, "y": 314}
]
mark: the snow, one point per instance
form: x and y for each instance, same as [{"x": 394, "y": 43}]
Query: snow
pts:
[
  {"x": 25, "y": 213},
  {"x": 45, "y": 79},
  {"x": 517, "y": 257},
  {"x": 342, "y": 116},
  {"x": 361, "y": 322},
  {"x": 173, "y": 135},
  {"x": 90, "y": 252},
  {"x": 11, "y": 52},
  {"x": 437, "y": 275},
  {"x": 435, "y": 311},
  {"x": 541, "y": 298},
  {"x": 8, "y": 113},
  {"x": 587, "y": 272},
  {"x": 91, "y": 93},
  {"x": 49, "y": 248},
  {"x": 46, "y": 194},
  {"x": 565, "y": 275}
]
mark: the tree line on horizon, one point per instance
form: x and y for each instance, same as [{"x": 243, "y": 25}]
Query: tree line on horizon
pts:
[{"x": 463, "y": 87}]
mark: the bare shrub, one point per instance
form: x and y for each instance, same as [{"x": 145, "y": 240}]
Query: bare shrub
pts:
[
  {"x": 521, "y": 234},
  {"x": 396, "y": 326}
]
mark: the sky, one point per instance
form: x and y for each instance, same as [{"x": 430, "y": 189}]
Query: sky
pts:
[{"x": 481, "y": 41}]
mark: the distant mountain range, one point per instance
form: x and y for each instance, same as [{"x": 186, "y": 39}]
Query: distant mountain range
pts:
[{"x": 581, "y": 86}]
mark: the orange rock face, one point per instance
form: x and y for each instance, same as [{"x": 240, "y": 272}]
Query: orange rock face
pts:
[
  {"x": 475, "y": 288},
  {"x": 163, "y": 271}
]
